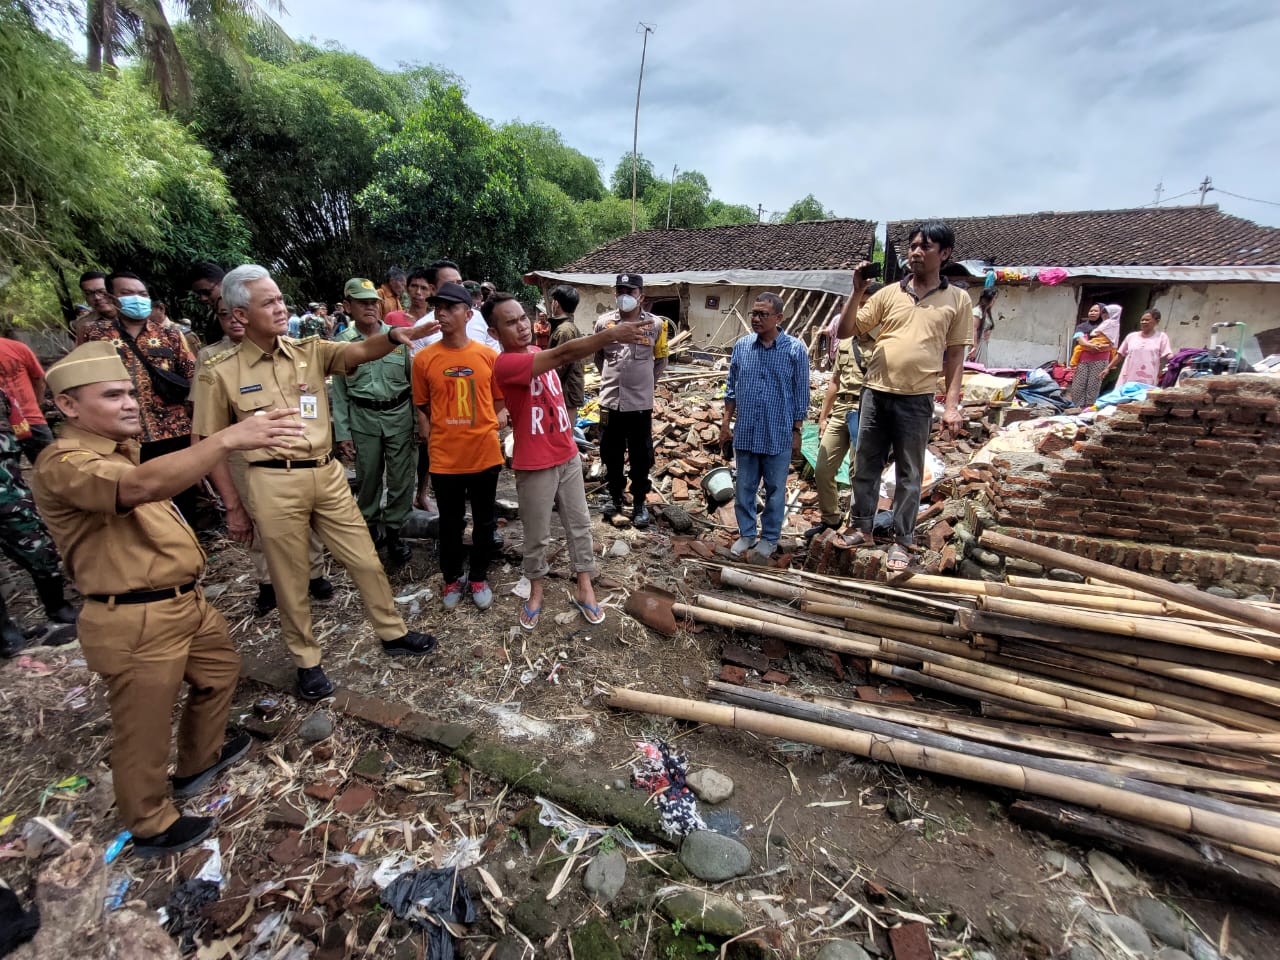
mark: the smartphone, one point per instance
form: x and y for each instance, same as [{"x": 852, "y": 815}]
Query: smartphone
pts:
[{"x": 873, "y": 270}]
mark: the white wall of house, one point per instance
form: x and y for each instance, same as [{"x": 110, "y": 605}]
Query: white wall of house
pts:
[
  {"x": 1189, "y": 309},
  {"x": 1033, "y": 324}
]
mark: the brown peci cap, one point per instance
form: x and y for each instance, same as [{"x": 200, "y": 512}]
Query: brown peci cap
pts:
[{"x": 94, "y": 362}]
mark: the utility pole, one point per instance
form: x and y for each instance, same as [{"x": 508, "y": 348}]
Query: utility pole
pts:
[
  {"x": 670, "y": 192},
  {"x": 1205, "y": 186},
  {"x": 635, "y": 132},
  {"x": 1159, "y": 190},
  {"x": 759, "y": 212}
]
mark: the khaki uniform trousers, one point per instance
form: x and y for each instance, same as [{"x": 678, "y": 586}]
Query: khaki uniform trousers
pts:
[
  {"x": 286, "y": 506},
  {"x": 144, "y": 652},
  {"x": 315, "y": 548},
  {"x": 834, "y": 444}
]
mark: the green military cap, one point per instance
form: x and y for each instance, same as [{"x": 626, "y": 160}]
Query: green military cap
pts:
[{"x": 358, "y": 288}]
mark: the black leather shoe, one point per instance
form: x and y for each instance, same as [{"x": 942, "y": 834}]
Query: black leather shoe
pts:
[
  {"x": 183, "y": 833},
  {"x": 232, "y": 752},
  {"x": 398, "y": 552},
  {"x": 611, "y": 510},
  {"x": 412, "y": 644},
  {"x": 12, "y": 639},
  {"x": 313, "y": 684},
  {"x": 817, "y": 529},
  {"x": 320, "y": 588},
  {"x": 640, "y": 518},
  {"x": 266, "y": 601},
  {"x": 56, "y": 608}
]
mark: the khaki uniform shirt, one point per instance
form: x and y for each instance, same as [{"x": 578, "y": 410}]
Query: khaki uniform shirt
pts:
[
  {"x": 628, "y": 371},
  {"x": 107, "y": 549},
  {"x": 848, "y": 374},
  {"x": 236, "y": 384},
  {"x": 914, "y": 335},
  {"x": 379, "y": 380}
]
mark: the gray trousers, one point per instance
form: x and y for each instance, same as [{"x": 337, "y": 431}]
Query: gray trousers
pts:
[{"x": 537, "y": 491}]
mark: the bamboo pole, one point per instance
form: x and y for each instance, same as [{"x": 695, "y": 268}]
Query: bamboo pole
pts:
[
  {"x": 775, "y": 703},
  {"x": 1044, "y": 594},
  {"x": 1265, "y": 691},
  {"x": 781, "y": 631},
  {"x": 1233, "y": 609},
  {"x": 784, "y": 587},
  {"x": 1169, "y": 814}
]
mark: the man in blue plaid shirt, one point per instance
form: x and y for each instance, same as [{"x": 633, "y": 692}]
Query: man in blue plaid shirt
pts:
[{"x": 768, "y": 391}]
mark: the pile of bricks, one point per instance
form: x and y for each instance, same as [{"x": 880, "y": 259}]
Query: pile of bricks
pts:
[{"x": 1185, "y": 484}]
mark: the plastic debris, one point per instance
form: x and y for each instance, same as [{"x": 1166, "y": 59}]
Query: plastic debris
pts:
[
  {"x": 117, "y": 887},
  {"x": 267, "y": 707},
  {"x": 213, "y": 806},
  {"x": 212, "y": 869},
  {"x": 75, "y": 699},
  {"x": 522, "y": 589},
  {"x": 431, "y": 899},
  {"x": 116, "y": 845},
  {"x": 569, "y": 827},
  {"x": 65, "y": 789},
  {"x": 6, "y": 823}
]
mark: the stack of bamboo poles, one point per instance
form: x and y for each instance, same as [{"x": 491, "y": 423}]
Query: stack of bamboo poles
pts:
[{"x": 1158, "y": 708}]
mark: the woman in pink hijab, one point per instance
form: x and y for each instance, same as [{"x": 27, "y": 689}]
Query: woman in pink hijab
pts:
[{"x": 1095, "y": 340}]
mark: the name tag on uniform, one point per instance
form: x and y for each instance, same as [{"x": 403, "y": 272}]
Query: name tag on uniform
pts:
[
  {"x": 309, "y": 407},
  {"x": 251, "y": 389}
]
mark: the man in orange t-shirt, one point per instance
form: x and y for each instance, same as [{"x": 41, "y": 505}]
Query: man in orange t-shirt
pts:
[{"x": 454, "y": 387}]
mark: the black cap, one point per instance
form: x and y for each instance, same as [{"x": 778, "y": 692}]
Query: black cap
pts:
[
  {"x": 450, "y": 293},
  {"x": 630, "y": 280}
]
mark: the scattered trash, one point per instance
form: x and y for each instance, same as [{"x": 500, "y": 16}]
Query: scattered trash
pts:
[
  {"x": 552, "y": 676},
  {"x": 466, "y": 852},
  {"x": 213, "y": 806},
  {"x": 620, "y": 548},
  {"x": 6, "y": 823},
  {"x": 214, "y": 590},
  {"x": 568, "y": 826},
  {"x": 75, "y": 699},
  {"x": 65, "y": 789},
  {"x": 432, "y": 899},
  {"x": 33, "y": 667},
  {"x": 116, "y": 845},
  {"x": 212, "y": 869},
  {"x": 267, "y": 708},
  {"x": 662, "y": 771},
  {"x": 522, "y": 589},
  {"x": 183, "y": 918},
  {"x": 117, "y": 887}
]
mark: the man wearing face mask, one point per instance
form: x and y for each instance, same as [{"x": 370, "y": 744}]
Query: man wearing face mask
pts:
[{"x": 152, "y": 352}]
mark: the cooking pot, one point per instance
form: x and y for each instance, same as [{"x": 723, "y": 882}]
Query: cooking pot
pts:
[{"x": 718, "y": 485}]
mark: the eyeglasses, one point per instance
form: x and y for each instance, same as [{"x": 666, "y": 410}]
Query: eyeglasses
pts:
[
  {"x": 761, "y": 314},
  {"x": 95, "y": 294}
]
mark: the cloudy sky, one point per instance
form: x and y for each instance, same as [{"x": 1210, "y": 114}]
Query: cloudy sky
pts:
[{"x": 933, "y": 109}]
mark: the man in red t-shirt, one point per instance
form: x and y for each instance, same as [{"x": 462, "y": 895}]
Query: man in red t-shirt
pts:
[
  {"x": 454, "y": 387},
  {"x": 546, "y": 462},
  {"x": 22, "y": 378}
]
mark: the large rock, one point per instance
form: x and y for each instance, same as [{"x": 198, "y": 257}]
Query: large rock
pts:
[
  {"x": 1161, "y": 921},
  {"x": 1129, "y": 932},
  {"x": 69, "y": 892},
  {"x": 710, "y": 786},
  {"x": 714, "y": 857},
  {"x": 842, "y": 950},
  {"x": 1083, "y": 950},
  {"x": 1111, "y": 871},
  {"x": 606, "y": 873},
  {"x": 702, "y": 912},
  {"x": 316, "y": 727}
]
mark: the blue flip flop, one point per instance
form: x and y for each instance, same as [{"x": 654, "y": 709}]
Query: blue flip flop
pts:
[
  {"x": 530, "y": 619},
  {"x": 590, "y": 612}
]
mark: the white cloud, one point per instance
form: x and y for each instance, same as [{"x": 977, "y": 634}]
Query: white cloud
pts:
[{"x": 945, "y": 109}]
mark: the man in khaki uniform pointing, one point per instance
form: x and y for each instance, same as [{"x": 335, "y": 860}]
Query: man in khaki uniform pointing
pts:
[
  {"x": 145, "y": 626},
  {"x": 304, "y": 487}
]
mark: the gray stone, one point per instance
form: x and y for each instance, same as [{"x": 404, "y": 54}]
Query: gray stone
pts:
[
  {"x": 1083, "y": 950},
  {"x": 1024, "y": 568},
  {"x": 1059, "y": 861},
  {"x": 713, "y": 857},
  {"x": 973, "y": 571},
  {"x": 606, "y": 873},
  {"x": 710, "y": 786},
  {"x": 1160, "y": 920},
  {"x": 1221, "y": 592},
  {"x": 986, "y": 558},
  {"x": 842, "y": 950},
  {"x": 898, "y": 809},
  {"x": 704, "y": 912},
  {"x": 1111, "y": 871},
  {"x": 533, "y": 916},
  {"x": 983, "y": 955},
  {"x": 316, "y": 727},
  {"x": 1201, "y": 949},
  {"x": 1168, "y": 953},
  {"x": 1129, "y": 932},
  {"x": 962, "y": 533},
  {"x": 1258, "y": 598},
  {"x": 1065, "y": 576}
]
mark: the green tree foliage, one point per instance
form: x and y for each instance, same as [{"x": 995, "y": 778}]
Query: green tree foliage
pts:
[
  {"x": 688, "y": 197},
  {"x": 807, "y": 208},
  {"x": 610, "y": 218},
  {"x": 721, "y": 214},
  {"x": 96, "y": 173},
  {"x": 646, "y": 179},
  {"x": 573, "y": 172}
]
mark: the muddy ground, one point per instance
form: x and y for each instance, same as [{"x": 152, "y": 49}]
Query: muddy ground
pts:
[{"x": 818, "y": 823}]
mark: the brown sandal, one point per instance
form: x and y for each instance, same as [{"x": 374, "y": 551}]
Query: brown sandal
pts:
[
  {"x": 854, "y": 540},
  {"x": 898, "y": 559}
]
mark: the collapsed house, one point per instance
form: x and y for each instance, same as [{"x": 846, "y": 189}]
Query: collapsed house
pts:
[
  {"x": 1197, "y": 265},
  {"x": 707, "y": 279}
]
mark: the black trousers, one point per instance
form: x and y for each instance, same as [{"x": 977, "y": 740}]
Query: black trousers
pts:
[
  {"x": 186, "y": 500},
  {"x": 453, "y": 492},
  {"x": 627, "y": 434},
  {"x": 41, "y": 437}
]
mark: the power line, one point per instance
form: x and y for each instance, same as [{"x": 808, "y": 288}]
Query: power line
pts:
[
  {"x": 1174, "y": 197},
  {"x": 1272, "y": 203}
]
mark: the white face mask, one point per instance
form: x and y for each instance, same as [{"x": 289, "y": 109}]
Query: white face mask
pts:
[{"x": 627, "y": 303}]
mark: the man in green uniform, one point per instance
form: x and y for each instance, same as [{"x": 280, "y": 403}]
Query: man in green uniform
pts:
[
  {"x": 373, "y": 420},
  {"x": 294, "y": 491}
]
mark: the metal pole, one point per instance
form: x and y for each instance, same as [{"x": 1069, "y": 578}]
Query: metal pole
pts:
[
  {"x": 1159, "y": 190},
  {"x": 635, "y": 132},
  {"x": 670, "y": 192},
  {"x": 1205, "y": 186}
]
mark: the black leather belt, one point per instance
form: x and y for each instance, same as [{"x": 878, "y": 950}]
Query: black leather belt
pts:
[
  {"x": 381, "y": 404},
  {"x": 292, "y": 464},
  {"x": 143, "y": 596}
]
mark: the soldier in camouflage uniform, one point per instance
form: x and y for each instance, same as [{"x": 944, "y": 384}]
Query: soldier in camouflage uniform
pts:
[{"x": 24, "y": 539}]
